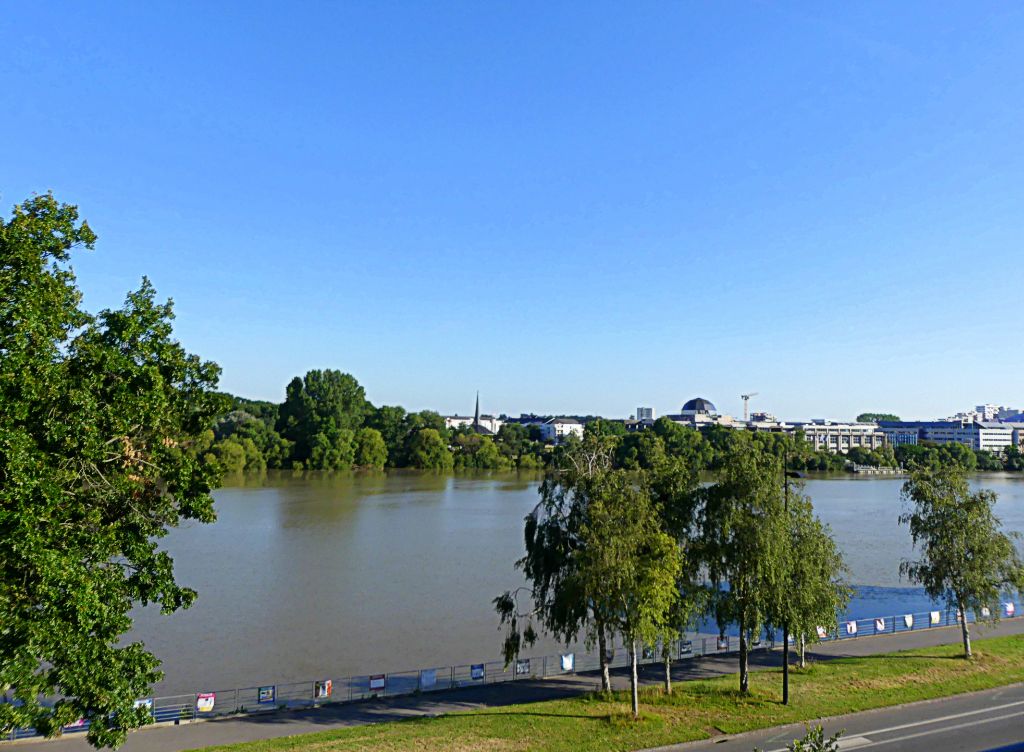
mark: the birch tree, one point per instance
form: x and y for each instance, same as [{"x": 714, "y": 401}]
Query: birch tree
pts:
[{"x": 965, "y": 558}]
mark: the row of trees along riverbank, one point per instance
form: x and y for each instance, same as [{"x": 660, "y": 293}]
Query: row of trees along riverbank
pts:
[
  {"x": 642, "y": 553},
  {"x": 326, "y": 423}
]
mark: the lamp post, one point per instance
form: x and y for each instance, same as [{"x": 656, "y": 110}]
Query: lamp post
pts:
[{"x": 786, "y": 475}]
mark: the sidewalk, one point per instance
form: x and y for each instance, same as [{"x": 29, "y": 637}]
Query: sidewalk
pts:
[{"x": 233, "y": 729}]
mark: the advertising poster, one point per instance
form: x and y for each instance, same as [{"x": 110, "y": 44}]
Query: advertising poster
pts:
[
  {"x": 205, "y": 701},
  {"x": 879, "y": 625},
  {"x": 822, "y": 633},
  {"x": 723, "y": 643},
  {"x": 1010, "y": 609},
  {"x": 522, "y": 666},
  {"x": 935, "y": 617},
  {"x": 685, "y": 647},
  {"x": 985, "y": 613},
  {"x": 144, "y": 703},
  {"x": 378, "y": 682},
  {"x": 908, "y": 621},
  {"x": 476, "y": 671},
  {"x": 428, "y": 678},
  {"x": 266, "y": 694},
  {"x": 568, "y": 661},
  {"x": 851, "y": 627},
  {"x": 322, "y": 689}
]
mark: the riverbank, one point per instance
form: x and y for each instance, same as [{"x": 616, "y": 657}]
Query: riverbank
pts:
[
  {"x": 695, "y": 710},
  {"x": 524, "y": 713}
]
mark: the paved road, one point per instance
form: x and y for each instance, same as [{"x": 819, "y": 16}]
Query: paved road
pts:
[
  {"x": 968, "y": 723},
  {"x": 170, "y": 738}
]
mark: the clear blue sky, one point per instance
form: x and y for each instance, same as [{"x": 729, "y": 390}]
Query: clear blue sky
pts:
[{"x": 571, "y": 207}]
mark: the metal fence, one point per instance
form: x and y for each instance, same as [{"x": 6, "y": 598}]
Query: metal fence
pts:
[{"x": 275, "y": 697}]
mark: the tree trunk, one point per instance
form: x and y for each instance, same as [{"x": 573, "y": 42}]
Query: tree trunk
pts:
[
  {"x": 803, "y": 652},
  {"x": 785, "y": 665},
  {"x": 744, "y": 677},
  {"x": 965, "y": 629},
  {"x": 668, "y": 671},
  {"x": 634, "y": 690},
  {"x": 602, "y": 646}
]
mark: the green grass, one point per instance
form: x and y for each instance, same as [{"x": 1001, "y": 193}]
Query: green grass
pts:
[{"x": 695, "y": 710}]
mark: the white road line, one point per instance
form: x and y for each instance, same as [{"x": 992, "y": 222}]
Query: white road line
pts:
[
  {"x": 951, "y": 717},
  {"x": 978, "y": 722}
]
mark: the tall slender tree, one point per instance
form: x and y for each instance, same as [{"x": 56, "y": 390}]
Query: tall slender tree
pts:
[
  {"x": 629, "y": 565},
  {"x": 965, "y": 558},
  {"x": 556, "y": 599},
  {"x": 742, "y": 540}
]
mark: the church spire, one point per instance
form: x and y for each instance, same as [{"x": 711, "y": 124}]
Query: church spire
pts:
[{"x": 476, "y": 415}]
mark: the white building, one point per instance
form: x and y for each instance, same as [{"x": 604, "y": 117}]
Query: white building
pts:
[
  {"x": 559, "y": 429},
  {"x": 645, "y": 413},
  {"x": 700, "y": 412},
  {"x": 841, "y": 437},
  {"x": 488, "y": 422},
  {"x": 979, "y": 435}
]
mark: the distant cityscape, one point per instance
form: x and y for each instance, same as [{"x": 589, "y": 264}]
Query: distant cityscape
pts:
[{"x": 988, "y": 427}]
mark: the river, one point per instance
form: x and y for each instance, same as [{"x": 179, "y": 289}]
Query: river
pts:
[{"x": 332, "y": 575}]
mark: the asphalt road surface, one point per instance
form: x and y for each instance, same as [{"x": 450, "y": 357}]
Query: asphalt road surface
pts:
[{"x": 988, "y": 720}]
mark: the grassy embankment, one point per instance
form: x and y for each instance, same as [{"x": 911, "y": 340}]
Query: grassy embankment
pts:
[{"x": 695, "y": 710}]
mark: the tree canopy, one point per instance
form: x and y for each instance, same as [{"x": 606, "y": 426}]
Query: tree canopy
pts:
[
  {"x": 965, "y": 558},
  {"x": 99, "y": 420}
]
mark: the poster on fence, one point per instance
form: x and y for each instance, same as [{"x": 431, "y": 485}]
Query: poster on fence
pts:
[
  {"x": 648, "y": 653},
  {"x": 76, "y": 724},
  {"x": 879, "y": 625},
  {"x": 522, "y": 667},
  {"x": 146, "y": 702},
  {"x": 685, "y": 647},
  {"x": 323, "y": 689},
  {"x": 568, "y": 661},
  {"x": 1010, "y": 609},
  {"x": 934, "y": 617},
  {"x": 428, "y": 678},
  {"x": 378, "y": 682},
  {"x": 908, "y": 621},
  {"x": 822, "y": 633},
  {"x": 851, "y": 628},
  {"x": 266, "y": 695},
  {"x": 985, "y": 613},
  {"x": 723, "y": 643},
  {"x": 476, "y": 671},
  {"x": 205, "y": 701}
]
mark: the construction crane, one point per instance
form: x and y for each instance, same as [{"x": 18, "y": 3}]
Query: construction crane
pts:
[{"x": 746, "y": 405}]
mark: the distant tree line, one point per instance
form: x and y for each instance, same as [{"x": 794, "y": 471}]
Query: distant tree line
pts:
[{"x": 326, "y": 423}]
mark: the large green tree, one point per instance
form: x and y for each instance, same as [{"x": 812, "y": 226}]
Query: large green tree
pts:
[
  {"x": 317, "y": 411},
  {"x": 965, "y": 558},
  {"x": 98, "y": 420},
  {"x": 743, "y": 538},
  {"x": 556, "y": 599}
]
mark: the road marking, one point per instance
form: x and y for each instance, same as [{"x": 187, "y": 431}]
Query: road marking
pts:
[
  {"x": 978, "y": 722},
  {"x": 854, "y": 741},
  {"x": 952, "y": 717}
]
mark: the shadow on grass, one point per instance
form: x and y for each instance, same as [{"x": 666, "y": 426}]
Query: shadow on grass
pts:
[{"x": 518, "y": 713}]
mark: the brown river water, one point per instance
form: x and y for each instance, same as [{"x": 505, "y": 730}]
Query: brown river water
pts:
[{"x": 320, "y": 575}]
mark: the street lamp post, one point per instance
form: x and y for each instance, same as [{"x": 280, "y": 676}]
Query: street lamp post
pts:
[{"x": 786, "y": 475}]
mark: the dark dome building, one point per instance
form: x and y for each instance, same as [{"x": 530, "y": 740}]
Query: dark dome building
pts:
[{"x": 699, "y": 405}]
